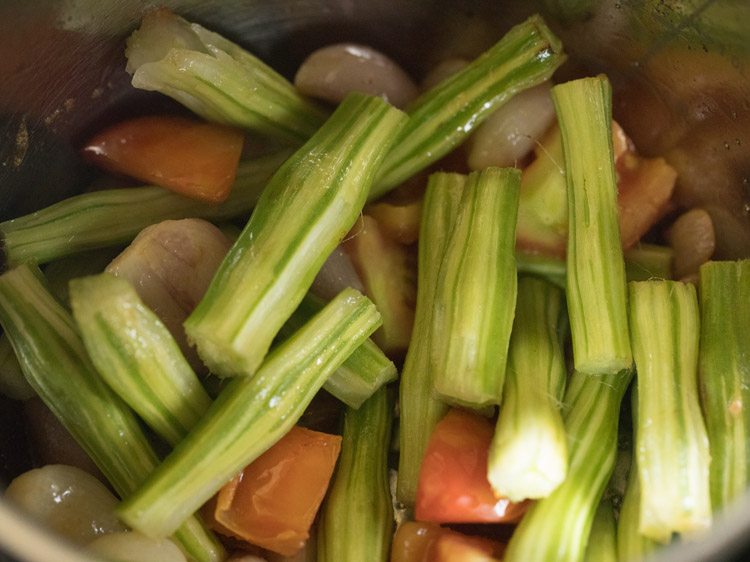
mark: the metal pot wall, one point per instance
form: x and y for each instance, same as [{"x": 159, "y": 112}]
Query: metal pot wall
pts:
[{"x": 680, "y": 69}]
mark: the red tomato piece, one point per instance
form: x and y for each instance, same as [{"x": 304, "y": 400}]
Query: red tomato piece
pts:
[
  {"x": 453, "y": 485},
  {"x": 273, "y": 502},
  {"x": 193, "y": 158},
  {"x": 645, "y": 192}
]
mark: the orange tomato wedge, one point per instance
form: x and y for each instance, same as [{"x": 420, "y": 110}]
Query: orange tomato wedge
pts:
[
  {"x": 453, "y": 485},
  {"x": 645, "y": 192},
  {"x": 644, "y": 188},
  {"x": 193, "y": 158},
  {"x": 273, "y": 502},
  {"x": 388, "y": 275}
]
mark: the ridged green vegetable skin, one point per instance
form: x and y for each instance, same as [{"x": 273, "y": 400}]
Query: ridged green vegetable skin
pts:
[
  {"x": 56, "y": 365},
  {"x": 305, "y": 211},
  {"x": 217, "y": 79},
  {"x": 671, "y": 442},
  {"x": 528, "y": 457},
  {"x": 558, "y": 526},
  {"x": 420, "y": 410},
  {"x": 602, "y": 544},
  {"x": 357, "y": 519},
  {"x": 724, "y": 374},
  {"x": 445, "y": 115},
  {"x": 632, "y": 546},
  {"x": 596, "y": 289},
  {"x": 100, "y": 219},
  {"x": 475, "y": 296},
  {"x": 363, "y": 372},
  {"x": 137, "y": 356},
  {"x": 250, "y": 415}
]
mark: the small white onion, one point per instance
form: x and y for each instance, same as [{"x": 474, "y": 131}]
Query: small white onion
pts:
[
  {"x": 170, "y": 265},
  {"x": 511, "y": 132},
  {"x": 337, "y": 274},
  {"x": 693, "y": 240},
  {"x": 332, "y": 72},
  {"x": 67, "y": 499},
  {"x": 135, "y": 547}
]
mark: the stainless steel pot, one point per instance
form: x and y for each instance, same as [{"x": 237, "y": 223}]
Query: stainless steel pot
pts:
[{"x": 680, "y": 68}]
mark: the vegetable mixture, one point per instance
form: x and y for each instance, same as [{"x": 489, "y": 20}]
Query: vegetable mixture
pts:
[{"x": 416, "y": 326}]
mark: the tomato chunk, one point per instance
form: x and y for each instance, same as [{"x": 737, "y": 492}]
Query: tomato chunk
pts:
[
  {"x": 273, "y": 502},
  {"x": 453, "y": 485},
  {"x": 645, "y": 191},
  {"x": 389, "y": 277},
  {"x": 190, "y": 157}
]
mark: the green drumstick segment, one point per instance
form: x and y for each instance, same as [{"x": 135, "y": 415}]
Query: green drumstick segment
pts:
[
  {"x": 596, "y": 289},
  {"x": 357, "y": 518},
  {"x": 724, "y": 374},
  {"x": 101, "y": 219},
  {"x": 419, "y": 409},
  {"x": 444, "y": 116},
  {"x": 55, "y": 363},
  {"x": 137, "y": 356},
  {"x": 250, "y": 415},
  {"x": 672, "y": 447},
  {"x": 558, "y": 526},
  {"x": 529, "y": 454},
  {"x": 475, "y": 297},
  {"x": 305, "y": 211},
  {"x": 217, "y": 79},
  {"x": 363, "y": 372}
]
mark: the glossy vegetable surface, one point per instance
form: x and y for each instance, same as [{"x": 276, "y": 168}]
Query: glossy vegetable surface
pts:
[
  {"x": 55, "y": 363},
  {"x": 356, "y": 522},
  {"x": 192, "y": 158},
  {"x": 596, "y": 292},
  {"x": 305, "y": 211},
  {"x": 273, "y": 501},
  {"x": 420, "y": 410},
  {"x": 453, "y": 485},
  {"x": 250, "y": 415}
]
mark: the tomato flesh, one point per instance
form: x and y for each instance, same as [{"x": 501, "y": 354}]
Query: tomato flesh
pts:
[
  {"x": 453, "y": 485},
  {"x": 193, "y": 158},
  {"x": 273, "y": 502}
]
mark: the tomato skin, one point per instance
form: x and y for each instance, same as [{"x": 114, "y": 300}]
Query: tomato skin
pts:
[
  {"x": 193, "y": 158},
  {"x": 453, "y": 485},
  {"x": 273, "y": 501},
  {"x": 645, "y": 193}
]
